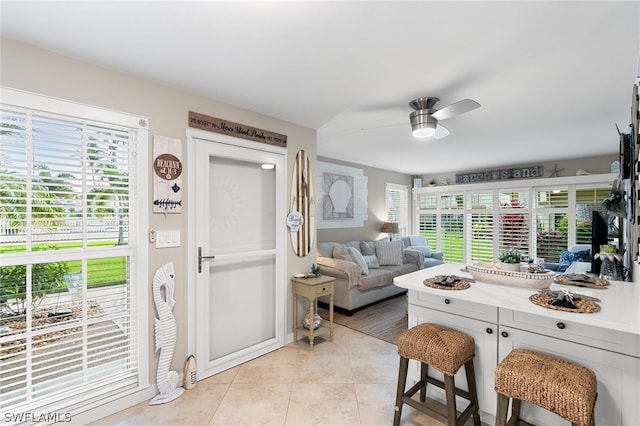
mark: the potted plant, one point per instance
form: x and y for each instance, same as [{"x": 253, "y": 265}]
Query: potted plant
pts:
[{"x": 510, "y": 260}]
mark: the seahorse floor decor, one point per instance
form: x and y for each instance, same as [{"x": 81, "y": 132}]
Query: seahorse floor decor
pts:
[{"x": 165, "y": 334}]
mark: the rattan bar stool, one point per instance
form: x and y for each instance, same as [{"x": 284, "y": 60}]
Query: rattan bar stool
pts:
[
  {"x": 446, "y": 350},
  {"x": 560, "y": 386}
]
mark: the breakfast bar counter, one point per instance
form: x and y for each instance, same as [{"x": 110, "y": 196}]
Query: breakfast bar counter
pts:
[{"x": 502, "y": 317}]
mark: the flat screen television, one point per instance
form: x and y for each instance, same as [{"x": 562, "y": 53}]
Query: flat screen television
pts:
[{"x": 599, "y": 236}]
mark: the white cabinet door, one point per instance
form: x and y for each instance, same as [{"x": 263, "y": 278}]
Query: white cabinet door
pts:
[
  {"x": 618, "y": 377},
  {"x": 484, "y": 334}
]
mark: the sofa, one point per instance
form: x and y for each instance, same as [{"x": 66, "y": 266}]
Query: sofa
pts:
[{"x": 364, "y": 270}]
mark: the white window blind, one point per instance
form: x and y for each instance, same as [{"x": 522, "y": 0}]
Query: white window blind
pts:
[
  {"x": 397, "y": 205},
  {"x": 69, "y": 326},
  {"x": 480, "y": 222},
  {"x": 513, "y": 221},
  {"x": 552, "y": 224},
  {"x": 540, "y": 221},
  {"x": 452, "y": 227},
  {"x": 426, "y": 216}
]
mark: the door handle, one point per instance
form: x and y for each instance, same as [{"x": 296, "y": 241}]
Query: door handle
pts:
[{"x": 201, "y": 258}]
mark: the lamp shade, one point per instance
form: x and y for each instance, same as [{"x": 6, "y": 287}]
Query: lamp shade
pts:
[{"x": 390, "y": 227}]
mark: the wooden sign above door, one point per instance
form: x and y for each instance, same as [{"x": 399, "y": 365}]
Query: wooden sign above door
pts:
[{"x": 225, "y": 127}]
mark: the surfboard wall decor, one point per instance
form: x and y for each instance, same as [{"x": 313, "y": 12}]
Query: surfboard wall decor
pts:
[{"x": 302, "y": 214}]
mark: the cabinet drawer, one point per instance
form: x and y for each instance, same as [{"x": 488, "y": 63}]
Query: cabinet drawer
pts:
[
  {"x": 321, "y": 290},
  {"x": 448, "y": 303},
  {"x": 611, "y": 340}
]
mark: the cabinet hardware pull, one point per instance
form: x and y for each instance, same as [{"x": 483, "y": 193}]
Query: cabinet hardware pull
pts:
[
  {"x": 560, "y": 325},
  {"x": 447, "y": 301},
  {"x": 489, "y": 330},
  {"x": 504, "y": 334}
]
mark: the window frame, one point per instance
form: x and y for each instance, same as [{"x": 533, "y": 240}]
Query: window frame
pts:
[
  {"x": 571, "y": 183},
  {"x": 76, "y": 404},
  {"x": 403, "y": 209}
]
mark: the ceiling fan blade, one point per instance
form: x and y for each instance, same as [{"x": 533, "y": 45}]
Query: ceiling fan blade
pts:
[
  {"x": 441, "y": 132},
  {"x": 455, "y": 108},
  {"x": 383, "y": 126}
]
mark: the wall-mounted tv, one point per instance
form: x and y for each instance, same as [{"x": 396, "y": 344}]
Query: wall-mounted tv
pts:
[{"x": 599, "y": 236}]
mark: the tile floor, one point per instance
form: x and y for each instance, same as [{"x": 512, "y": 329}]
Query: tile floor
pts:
[{"x": 350, "y": 381}]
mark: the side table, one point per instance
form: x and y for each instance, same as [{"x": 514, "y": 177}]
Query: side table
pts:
[{"x": 311, "y": 288}]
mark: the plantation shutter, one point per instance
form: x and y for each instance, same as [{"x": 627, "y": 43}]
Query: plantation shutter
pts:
[
  {"x": 480, "y": 224},
  {"x": 552, "y": 224},
  {"x": 70, "y": 331},
  {"x": 452, "y": 227},
  {"x": 397, "y": 206},
  {"x": 588, "y": 200},
  {"x": 427, "y": 216},
  {"x": 513, "y": 221}
]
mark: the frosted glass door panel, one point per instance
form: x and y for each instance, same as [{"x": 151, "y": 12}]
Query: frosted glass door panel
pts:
[
  {"x": 242, "y": 206},
  {"x": 242, "y": 302}
]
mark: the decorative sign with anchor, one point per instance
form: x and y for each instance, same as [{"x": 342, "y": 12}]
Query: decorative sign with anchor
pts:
[{"x": 167, "y": 177}]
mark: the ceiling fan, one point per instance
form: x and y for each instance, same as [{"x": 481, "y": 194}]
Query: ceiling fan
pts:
[{"x": 425, "y": 118}]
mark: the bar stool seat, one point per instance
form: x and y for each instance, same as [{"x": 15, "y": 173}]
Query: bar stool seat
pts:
[
  {"x": 555, "y": 384},
  {"x": 446, "y": 350}
]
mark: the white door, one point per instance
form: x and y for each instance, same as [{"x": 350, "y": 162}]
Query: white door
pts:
[{"x": 240, "y": 248}]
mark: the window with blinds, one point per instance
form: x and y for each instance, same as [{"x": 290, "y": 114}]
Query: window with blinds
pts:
[
  {"x": 427, "y": 217},
  {"x": 397, "y": 205},
  {"x": 481, "y": 226},
  {"x": 452, "y": 227},
  {"x": 541, "y": 222},
  {"x": 552, "y": 222},
  {"x": 69, "y": 325},
  {"x": 513, "y": 221}
]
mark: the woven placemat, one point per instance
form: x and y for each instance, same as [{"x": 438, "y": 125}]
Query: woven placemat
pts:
[
  {"x": 584, "y": 305},
  {"x": 595, "y": 282},
  {"x": 458, "y": 285}
]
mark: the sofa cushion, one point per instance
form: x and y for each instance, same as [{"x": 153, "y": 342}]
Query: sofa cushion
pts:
[
  {"x": 358, "y": 259},
  {"x": 389, "y": 252},
  {"x": 372, "y": 261},
  {"x": 426, "y": 250}
]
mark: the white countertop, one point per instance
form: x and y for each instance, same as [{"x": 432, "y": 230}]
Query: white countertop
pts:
[{"x": 619, "y": 306}]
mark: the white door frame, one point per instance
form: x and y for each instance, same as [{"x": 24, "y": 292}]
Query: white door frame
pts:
[{"x": 192, "y": 254}]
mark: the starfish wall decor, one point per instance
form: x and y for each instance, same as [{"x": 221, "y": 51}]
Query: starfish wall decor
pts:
[{"x": 556, "y": 171}]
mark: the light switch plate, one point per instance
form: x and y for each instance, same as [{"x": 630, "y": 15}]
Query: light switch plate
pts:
[{"x": 166, "y": 239}]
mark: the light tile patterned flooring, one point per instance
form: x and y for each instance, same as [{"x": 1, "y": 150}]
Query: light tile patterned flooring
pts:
[{"x": 350, "y": 381}]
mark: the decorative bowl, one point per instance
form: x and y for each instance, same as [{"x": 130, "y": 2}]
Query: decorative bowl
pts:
[{"x": 491, "y": 273}]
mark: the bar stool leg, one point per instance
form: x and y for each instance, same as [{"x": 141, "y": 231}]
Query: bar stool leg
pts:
[
  {"x": 450, "y": 391},
  {"x": 516, "y": 405},
  {"x": 424, "y": 370},
  {"x": 473, "y": 390},
  {"x": 402, "y": 381},
  {"x": 501, "y": 410}
]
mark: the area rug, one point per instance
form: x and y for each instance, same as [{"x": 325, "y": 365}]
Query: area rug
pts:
[{"x": 385, "y": 320}]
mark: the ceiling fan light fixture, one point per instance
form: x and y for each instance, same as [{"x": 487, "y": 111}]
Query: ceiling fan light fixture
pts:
[{"x": 423, "y": 125}]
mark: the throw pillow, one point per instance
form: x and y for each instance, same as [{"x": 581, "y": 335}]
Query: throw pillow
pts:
[
  {"x": 358, "y": 259},
  {"x": 343, "y": 254},
  {"x": 582, "y": 256},
  {"x": 368, "y": 248},
  {"x": 389, "y": 252},
  {"x": 426, "y": 250},
  {"x": 372, "y": 261},
  {"x": 565, "y": 260}
]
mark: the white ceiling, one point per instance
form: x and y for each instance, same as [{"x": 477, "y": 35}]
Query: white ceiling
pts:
[{"x": 553, "y": 78}]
